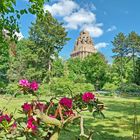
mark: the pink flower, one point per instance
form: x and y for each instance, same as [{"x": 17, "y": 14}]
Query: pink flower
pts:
[
  {"x": 42, "y": 107},
  {"x": 34, "y": 86},
  {"x": 52, "y": 116},
  {"x": 69, "y": 113},
  {"x": 14, "y": 125},
  {"x": 88, "y": 96},
  {"x": 31, "y": 124},
  {"x": 5, "y": 117},
  {"x": 24, "y": 83},
  {"x": 67, "y": 102},
  {"x": 26, "y": 107}
]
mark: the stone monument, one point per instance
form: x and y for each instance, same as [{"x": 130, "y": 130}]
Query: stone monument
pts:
[{"x": 84, "y": 46}]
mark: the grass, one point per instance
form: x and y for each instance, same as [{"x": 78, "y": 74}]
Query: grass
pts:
[{"x": 118, "y": 124}]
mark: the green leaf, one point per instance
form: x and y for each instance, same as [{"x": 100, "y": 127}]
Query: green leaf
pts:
[
  {"x": 22, "y": 12},
  {"x": 90, "y": 107},
  {"x": 18, "y": 16}
]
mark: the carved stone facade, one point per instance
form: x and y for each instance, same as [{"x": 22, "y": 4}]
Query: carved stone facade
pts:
[{"x": 84, "y": 46}]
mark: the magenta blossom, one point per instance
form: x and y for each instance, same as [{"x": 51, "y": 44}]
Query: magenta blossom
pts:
[
  {"x": 88, "y": 96},
  {"x": 52, "y": 116},
  {"x": 41, "y": 106},
  {"x": 26, "y": 107},
  {"x": 69, "y": 113},
  {"x": 6, "y": 118},
  {"x": 24, "y": 83},
  {"x": 31, "y": 124},
  {"x": 14, "y": 125},
  {"x": 66, "y": 102},
  {"x": 34, "y": 86}
]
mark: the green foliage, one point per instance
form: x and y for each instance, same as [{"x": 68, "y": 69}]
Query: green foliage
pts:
[
  {"x": 9, "y": 24},
  {"x": 10, "y": 16},
  {"x": 33, "y": 57},
  {"x": 137, "y": 72},
  {"x": 44, "y": 89},
  {"x": 49, "y": 37},
  {"x": 43, "y": 119},
  {"x": 95, "y": 68},
  {"x": 130, "y": 88},
  {"x": 64, "y": 86},
  {"x": 24, "y": 64},
  {"x": 12, "y": 88},
  {"x": 57, "y": 67},
  {"x": 127, "y": 49},
  {"x": 82, "y": 87},
  {"x": 110, "y": 87},
  {"x": 60, "y": 86},
  {"x": 4, "y": 61}
]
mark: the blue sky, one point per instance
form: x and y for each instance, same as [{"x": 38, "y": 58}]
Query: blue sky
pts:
[{"x": 102, "y": 18}]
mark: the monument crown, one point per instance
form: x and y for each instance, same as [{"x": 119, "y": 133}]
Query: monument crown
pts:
[{"x": 83, "y": 46}]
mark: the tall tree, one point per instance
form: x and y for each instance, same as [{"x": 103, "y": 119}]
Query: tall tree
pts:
[
  {"x": 49, "y": 37},
  {"x": 95, "y": 67},
  {"x": 34, "y": 55},
  {"x": 9, "y": 25},
  {"x": 120, "y": 50},
  {"x": 137, "y": 72},
  {"x": 134, "y": 49}
]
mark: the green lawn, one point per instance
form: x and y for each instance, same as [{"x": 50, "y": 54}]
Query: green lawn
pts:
[{"x": 118, "y": 124}]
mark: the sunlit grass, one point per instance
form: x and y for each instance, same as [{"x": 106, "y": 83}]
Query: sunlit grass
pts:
[{"x": 118, "y": 124}]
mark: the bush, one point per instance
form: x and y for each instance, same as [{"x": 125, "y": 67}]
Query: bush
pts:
[
  {"x": 60, "y": 86},
  {"x": 12, "y": 88},
  {"x": 110, "y": 87},
  {"x": 64, "y": 86},
  {"x": 130, "y": 88},
  {"x": 43, "y": 119},
  {"x": 43, "y": 89},
  {"x": 82, "y": 87}
]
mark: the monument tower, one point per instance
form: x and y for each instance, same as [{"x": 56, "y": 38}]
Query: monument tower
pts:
[{"x": 84, "y": 46}]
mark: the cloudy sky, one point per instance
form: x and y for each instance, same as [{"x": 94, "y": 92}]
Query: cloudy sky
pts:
[{"x": 102, "y": 18}]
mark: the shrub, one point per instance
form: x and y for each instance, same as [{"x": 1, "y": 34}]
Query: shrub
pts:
[
  {"x": 110, "y": 87},
  {"x": 63, "y": 86},
  {"x": 60, "y": 86},
  {"x": 43, "y": 89},
  {"x": 82, "y": 87},
  {"x": 43, "y": 119},
  {"x": 12, "y": 88},
  {"x": 130, "y": 88}
]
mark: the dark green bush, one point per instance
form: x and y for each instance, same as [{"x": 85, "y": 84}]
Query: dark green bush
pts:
[{"x": 130, "y": 88}]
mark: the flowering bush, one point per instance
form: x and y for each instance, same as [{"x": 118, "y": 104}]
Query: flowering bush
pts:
[
  {"x": 27, "y": 87},
  {"x": 66, "y": 102},
  {"x": 44, "y": 120},
  {"x": 87, "y": 97}
]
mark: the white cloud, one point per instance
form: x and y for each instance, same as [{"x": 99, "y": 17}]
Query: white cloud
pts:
[
  {"x": 89, "y": 6},
  {"x": 79, "y": 18},
  {"x": 101, "y": 45},
  {"x": 19, "y": 35},
  {"x": 112, "y": 28},
  {"x": 75, "y": 17},
  {"x": 94, "y": 30},
  {"x": 62, "y": 8}
]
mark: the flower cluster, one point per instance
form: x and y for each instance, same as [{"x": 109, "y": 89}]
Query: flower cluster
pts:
[
  {"x": 5, "y": 118},
  {"x": 88, "y": 96},
  {"x": 24, "y": 83},
  {"x": 41, "y": 106},
  {"x": 32, "y": 124},
  {"x": 27, "y": 107},
  {"x": 69, "y": 113},
  {"x": 7, "y": 123},
  {"x": 66, "y": 102}
]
